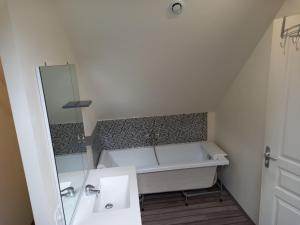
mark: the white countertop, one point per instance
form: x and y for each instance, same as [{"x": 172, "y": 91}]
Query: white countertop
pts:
[{"x": 84, "y": 214}]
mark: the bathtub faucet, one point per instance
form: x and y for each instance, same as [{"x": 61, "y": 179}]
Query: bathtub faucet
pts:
[{"x": 153, "y": 136}]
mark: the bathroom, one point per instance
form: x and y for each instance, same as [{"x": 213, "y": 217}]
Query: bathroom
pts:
[{"x": 154, "y": 112}]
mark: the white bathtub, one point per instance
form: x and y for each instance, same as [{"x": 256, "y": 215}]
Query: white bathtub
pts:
[{"x": 165, "y": 168}]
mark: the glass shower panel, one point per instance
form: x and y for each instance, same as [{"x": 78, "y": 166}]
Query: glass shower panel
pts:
[{"x": 67, "y": 133}]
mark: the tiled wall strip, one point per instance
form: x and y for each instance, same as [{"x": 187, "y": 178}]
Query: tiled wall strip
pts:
[{"x": 129, "y": 133}]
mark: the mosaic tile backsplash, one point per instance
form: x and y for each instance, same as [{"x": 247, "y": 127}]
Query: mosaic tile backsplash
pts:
[
  {"x": 136, "y": 132},
  {"x": 66, "y": 138}
]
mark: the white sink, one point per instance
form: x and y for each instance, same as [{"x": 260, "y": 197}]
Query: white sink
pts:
[
  {"x": 117, "y": 203},
  {"x": 114, "y": 194}
]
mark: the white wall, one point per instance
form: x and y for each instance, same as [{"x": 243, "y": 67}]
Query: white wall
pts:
[
  {"x": 22, "y": 119},
  {"x": 15, "y": 208},
  {"x": 140, "y": 61},
  {"x": 240, "y": 122},
  {"x": 30, "y": 35}
]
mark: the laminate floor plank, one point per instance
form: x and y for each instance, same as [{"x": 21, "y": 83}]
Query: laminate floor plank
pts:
[{"x": 170, "y": 209}]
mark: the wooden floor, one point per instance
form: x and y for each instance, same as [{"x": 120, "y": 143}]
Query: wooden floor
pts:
[{"x": 169, "y": 209}]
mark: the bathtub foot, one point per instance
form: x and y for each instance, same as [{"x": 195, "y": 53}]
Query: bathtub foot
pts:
[
  {"x": 186, "y": 198},
  {"x": 218, "y": 189},
  {"x": 186, "y": 201},
  {"x": 142, "y": 197},
  {"x": 202, "y": 192},
  {"x": 221, "y": 190},
  {"x": 220, "y": 184}
]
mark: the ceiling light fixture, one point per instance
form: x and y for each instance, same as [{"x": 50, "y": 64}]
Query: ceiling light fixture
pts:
[{"x": 176, "y": 6}]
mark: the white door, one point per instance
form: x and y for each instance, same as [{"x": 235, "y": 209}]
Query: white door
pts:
[{"x": 280, "y": 196}]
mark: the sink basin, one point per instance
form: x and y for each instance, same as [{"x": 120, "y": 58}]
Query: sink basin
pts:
[
  {"x": 117, "y": 203},
  {"x": 114, "y": 194}
]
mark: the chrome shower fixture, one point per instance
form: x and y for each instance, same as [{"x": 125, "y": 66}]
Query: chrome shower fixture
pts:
[{"x": 290, "y": 33}]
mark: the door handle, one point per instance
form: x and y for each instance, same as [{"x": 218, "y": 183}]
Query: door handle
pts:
[{"x": 268, "y": 157}]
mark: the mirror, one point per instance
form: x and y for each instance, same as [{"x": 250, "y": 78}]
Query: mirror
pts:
[{"x": 61, "y": 90}]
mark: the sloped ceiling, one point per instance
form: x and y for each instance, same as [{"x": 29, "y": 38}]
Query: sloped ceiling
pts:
[{"x": 138, "y": 60}]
